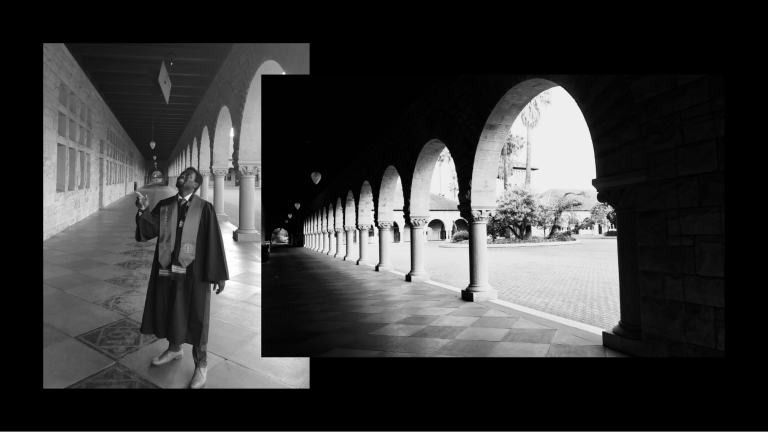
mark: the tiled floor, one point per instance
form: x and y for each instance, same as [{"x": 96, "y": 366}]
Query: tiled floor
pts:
[
  {"x": 95, "y": 279},
  {"x": 318, "y": 306}
]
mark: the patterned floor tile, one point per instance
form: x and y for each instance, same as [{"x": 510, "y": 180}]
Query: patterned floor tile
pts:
[
  {"x": 117, "y": 339},
  {"x": 125, "y": 303},
  {"x": 116, "y": 376},
  {"x": 69, "y": 361},
  {"x": 133, "y": 282},
  {"x": 141, "y": 244},
  {"x": 534, "y": 336},
  {"x": 134, "y": 264},
  {"x": 140, "y": 253}
]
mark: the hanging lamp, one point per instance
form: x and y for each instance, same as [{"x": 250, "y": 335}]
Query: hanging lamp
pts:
[
  {"x": 297, "y": 205},
  {"x": 152, "y": 143},
  {"x": 316, "y": 177},
  {"x": 289, "y": 215}
]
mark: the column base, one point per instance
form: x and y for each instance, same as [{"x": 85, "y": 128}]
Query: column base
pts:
[
  {"x": 477, "y": 296},
  {"x": 246, "y": 237},
  {"x": 622, "y": 344},
  {"x": 383, "y": 267},
  {"x": 363, "y": 262},
  {"x": 410, "y": 277},
  {"x": 338, "y": 256},
  {"x": 346, "y": 258},
  {"x": 627, "y": 331}
]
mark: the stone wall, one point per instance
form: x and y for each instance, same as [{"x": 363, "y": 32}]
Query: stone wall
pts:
[{"x": 76, "y": 117}]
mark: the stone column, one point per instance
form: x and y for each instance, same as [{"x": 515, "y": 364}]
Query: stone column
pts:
[
  {"x": 339, "y": 246},
  {"x": 324, "y": 241},
  {"x": 218, "y": 191},
  {"x": 385, "y": 237},
  {"x": 479, "y": 289},
  {"x": 623, "y": 202},
  {"x": 363, "y": 244},
  {"x": 330, "y": 242},
  {"x": 350, "y": 232},
  {"x": 417, "y": 250},
  {"x": 314, "y": 241},
  {"x": 247, "y": 230}
]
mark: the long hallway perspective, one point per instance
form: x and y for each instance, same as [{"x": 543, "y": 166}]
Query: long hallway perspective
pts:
[
  {"x": 95, "y": 279},
  {"x": 320, "y": 306}
]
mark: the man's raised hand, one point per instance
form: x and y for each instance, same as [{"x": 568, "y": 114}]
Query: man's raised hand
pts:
[{"x": 141, "y": 201}]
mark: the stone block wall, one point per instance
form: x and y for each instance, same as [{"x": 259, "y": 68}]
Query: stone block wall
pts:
[
  {"x": 76, "y": 118},
  {"x": 681, "y": 215}
]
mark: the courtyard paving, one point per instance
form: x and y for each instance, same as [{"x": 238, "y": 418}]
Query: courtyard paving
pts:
[
  {"x": 579, "y": 282},
  {"x": 318, "y": 306},
  {"x": 95, "y": 279}
]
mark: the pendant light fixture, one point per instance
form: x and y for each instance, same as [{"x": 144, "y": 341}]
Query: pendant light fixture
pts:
[
  {"x": 316, "y": 177},
  {"x": 154, "y": 157},
  {"x": 289, "y": 215},
  {"x": 297, "y": 205},
  {"x": 152, "y": 143}
]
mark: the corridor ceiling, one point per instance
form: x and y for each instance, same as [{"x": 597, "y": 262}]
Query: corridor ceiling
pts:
[
  {"x": 344, "y": 116},
  {"x": 126, "y": 77}
]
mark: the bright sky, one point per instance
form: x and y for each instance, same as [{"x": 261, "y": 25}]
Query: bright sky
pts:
[{"x": 562, "y": 149}]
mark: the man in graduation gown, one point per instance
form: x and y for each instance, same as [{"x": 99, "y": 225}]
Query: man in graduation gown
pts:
[{"x": 189, "y": 257}]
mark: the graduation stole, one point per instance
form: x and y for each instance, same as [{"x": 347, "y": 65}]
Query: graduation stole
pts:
[{"x": 168, "y": 221}]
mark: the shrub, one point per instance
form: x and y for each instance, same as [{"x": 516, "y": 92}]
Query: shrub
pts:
[
  {"x": 460, "y": 236},
  {"x": 563, "y": 236},
  {"x": 611, "y": 233}
]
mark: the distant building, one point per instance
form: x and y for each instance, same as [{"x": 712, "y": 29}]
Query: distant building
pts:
[{"x": 515, "y": 176}]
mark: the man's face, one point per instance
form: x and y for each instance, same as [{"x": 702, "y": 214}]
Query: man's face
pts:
[{"x": 187, "y": 178}]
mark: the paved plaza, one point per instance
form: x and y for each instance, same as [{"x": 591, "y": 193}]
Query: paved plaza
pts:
[
  {"x": 579, "y": 281},
  {"x": 95, "y": 279},
  {"x": 316, "y": 305}
]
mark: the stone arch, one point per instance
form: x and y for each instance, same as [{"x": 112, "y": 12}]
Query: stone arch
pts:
[
  {"x": 249, "y": 146},
  {"x": 329, "y": 217},
  {"x": 349, "y": 210},
  {"x": 438, "y": 227},
  {"x": 365, "y": 206},
  {"x": 422, "y": 178},
  {"x": 387, "y": 194},
  {"x": 220, "y": 159},
  {"x": 205, "y": 150},
  {"x": 493, "y": 136},
  {"x": 461, "y": 225}
]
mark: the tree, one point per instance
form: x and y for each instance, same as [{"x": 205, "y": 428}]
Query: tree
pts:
[
  {"x": 602, "y": 213},
  {"x": 445, "y": 156},
  {"x": 496, "y": 226},
  {"x": 564, "y": 205},
  {"x": 530, "y": 117},
  {"x": 512, "y": 145},
  {"x": 518, "y": 208}
]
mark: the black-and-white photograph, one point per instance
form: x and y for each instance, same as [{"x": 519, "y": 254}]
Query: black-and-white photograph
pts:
[
  {"x": 152, "y": 215},
  {"x": 496, "y": 216}
]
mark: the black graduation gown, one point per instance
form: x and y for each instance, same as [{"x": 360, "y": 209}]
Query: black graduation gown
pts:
[{"x": 178, "y": 307}]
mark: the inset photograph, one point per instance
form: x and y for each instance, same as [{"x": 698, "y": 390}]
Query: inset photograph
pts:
[{"x": 153, "y": 215}]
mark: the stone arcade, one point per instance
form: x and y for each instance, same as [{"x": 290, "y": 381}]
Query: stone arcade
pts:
[{"x": 659, "y": 145}]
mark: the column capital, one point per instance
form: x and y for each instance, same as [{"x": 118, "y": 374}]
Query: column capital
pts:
[
  {"x": 205, "y": 173},
  {"x": 417, "y": 221},
  {"x": 338, "y": 230},
  {"x": 480, "y": 215},
  {"x": 349, "y": 228},
  {"x": 247, "y": 170},
  {"x": 220, "y": 171},
  {"x": 385, "y": 224},
  {"x": 620, "y": 199},
  {"x": 363, "y": 227}
]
